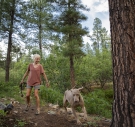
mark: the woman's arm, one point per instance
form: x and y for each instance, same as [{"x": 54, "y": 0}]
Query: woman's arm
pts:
[
  {"x": 45, "y": 77},
  {"x": 25, "y": 75}
]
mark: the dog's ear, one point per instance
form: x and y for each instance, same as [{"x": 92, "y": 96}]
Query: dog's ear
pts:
[{"x": 73, "y": 87}]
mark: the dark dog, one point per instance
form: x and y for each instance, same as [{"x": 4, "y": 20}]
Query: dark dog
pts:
[{"x": 7, "y": 108}]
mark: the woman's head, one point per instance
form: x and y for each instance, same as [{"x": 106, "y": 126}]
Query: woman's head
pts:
[{"x": 36, "y": 58}]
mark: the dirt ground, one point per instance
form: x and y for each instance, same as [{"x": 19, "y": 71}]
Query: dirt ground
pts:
[{"x": 49, "y": 117}]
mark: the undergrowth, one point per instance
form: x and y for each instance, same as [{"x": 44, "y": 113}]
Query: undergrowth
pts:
[{"x": 97, "y": 102}]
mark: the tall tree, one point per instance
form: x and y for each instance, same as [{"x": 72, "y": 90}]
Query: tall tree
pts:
[
  {"x": 122, "y": 21},
  {"x": 36, "y": 19},
  {"x": 69, "y": 18},
  {"x": 1, "y": 6},
  {"x": 10, "y": 27},
  {"x": 99, "y": 37},
  {"x": 96, "y": 37}
]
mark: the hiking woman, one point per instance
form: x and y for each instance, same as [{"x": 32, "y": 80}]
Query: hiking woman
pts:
[{"x": 34, "y": 71}]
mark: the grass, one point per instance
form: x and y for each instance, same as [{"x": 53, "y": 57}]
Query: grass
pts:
[{"x": 97, "y": 102}]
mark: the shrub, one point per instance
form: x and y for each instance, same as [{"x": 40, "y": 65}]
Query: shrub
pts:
[
  {"x": 10, "y": 90},
  {"x": 96, "y": 103},
  {"x": 109, "y": 95},
  {"x": 50, "y": 95}
]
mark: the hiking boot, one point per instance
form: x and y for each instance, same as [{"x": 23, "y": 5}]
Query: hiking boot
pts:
[
  {"x": 37, "y": 112},
  {"x": 27, "y": 107}
]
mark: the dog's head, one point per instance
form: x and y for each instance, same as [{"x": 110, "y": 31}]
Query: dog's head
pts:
[
  {"x": 9, "y": 107},
  {"x": 76, "y": 94}
]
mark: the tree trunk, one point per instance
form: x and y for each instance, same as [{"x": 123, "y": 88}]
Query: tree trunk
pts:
[
  {"x": 72, "y": 75},
  {"x": 122, "y": 20},
  {"x": 8, "y": 59},
  {"x": 40, "y": 40},
  {"x": 40, "y": 31},
  {"x": 1, "y": 6}
]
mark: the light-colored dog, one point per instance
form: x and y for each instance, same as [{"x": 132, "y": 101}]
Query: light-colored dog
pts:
[{"x": 74, "y": 98}]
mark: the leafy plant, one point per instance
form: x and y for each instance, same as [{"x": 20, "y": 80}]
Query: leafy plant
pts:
[
  {"x": 2, "y": 116},
  {"x": 20, "y": 123},
  {"x": 97, "y": 103},
  {"x": 2, "y": 113},
  {"x": 52, "y": 96}
]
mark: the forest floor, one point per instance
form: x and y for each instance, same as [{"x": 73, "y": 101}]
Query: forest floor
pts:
[{"x": 50, "y": 116}]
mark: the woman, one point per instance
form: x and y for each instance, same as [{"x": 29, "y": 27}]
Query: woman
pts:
[{"x": 34, "y": 71}]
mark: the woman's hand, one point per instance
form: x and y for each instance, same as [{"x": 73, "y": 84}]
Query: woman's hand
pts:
[
  {"x": 47, "y": 84},
  {"x": 21, "y": 82}
]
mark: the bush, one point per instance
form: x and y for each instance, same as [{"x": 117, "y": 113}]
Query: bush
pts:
[
  {"x": 96, "y": 103},
  {"x": 9, "y": 90},
  {"x": 50, "y": 95},
  {"x": 109, "y": 95}
]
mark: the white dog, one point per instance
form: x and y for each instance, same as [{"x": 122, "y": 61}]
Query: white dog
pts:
[{"x": 74, "y": 98}]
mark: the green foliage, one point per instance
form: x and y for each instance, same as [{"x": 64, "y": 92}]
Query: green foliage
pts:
[
  {"x": 51, "y": 96},
  {"x": 94, "y": 68},
  {"x": 101, "y": 68},
  {"x": 11, "y": 88},
  {"x": 2, "y": 113},
  {"x": 109, "y": 95},
  {"x": 2, "y": 75},
  {"x": 2, "y": 116},
  {"x": 83, "y": 70},
  {"x": 57, "y": 71},
  {"x": 18, "y": 69},
  {"x": 97, "y": 103},
  {"x": 93, "y": 124},
  {"x": 69, "y": 17},
  {"x": 20, "y": 123}
]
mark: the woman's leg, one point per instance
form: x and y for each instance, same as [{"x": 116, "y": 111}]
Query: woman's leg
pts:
[
  {"x": 28, "y": 92},
  {"x": 37, "y": 100}
]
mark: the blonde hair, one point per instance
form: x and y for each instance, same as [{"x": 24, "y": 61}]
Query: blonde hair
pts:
[{"x": 36, "y": 56}]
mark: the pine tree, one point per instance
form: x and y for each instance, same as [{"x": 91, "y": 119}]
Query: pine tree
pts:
[
  {"x": 68, "y": 24},
  {"x": 122, "y": 22},
  {"x": 10, "y": 27},
  {"x": 36, "y": 18},
  {"x": 99, "y": 37}
]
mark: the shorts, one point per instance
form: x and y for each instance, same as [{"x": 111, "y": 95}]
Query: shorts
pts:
[{"x": 35, "y": 87}]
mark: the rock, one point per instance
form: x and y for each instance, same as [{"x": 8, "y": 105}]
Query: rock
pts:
[
  {"x": 2, "y": 106},
  {"x": 51, "y": 112},
  {"x": 15, "y": 112}
]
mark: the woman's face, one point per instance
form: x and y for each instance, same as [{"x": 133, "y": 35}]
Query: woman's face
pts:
[{"x": 37, "y": 60}]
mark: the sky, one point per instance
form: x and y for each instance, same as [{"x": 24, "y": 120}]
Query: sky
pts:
[{"x": 98, "y": 9}]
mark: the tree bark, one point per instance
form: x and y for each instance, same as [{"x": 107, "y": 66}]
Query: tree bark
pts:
[
  {"x": 122, "y": 21},
  {"x": 72, "y": 75},
  {"x": 40, "y": 31},
  {"x": 8, "y": 59}
]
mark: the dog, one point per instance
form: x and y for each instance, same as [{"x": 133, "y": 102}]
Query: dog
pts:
[
  {"x": 7, "y": 108},
  {"x": 75, "y": 99}
]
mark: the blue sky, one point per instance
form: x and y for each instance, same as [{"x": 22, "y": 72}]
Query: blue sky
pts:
[{"x": 99, "y": 9}]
